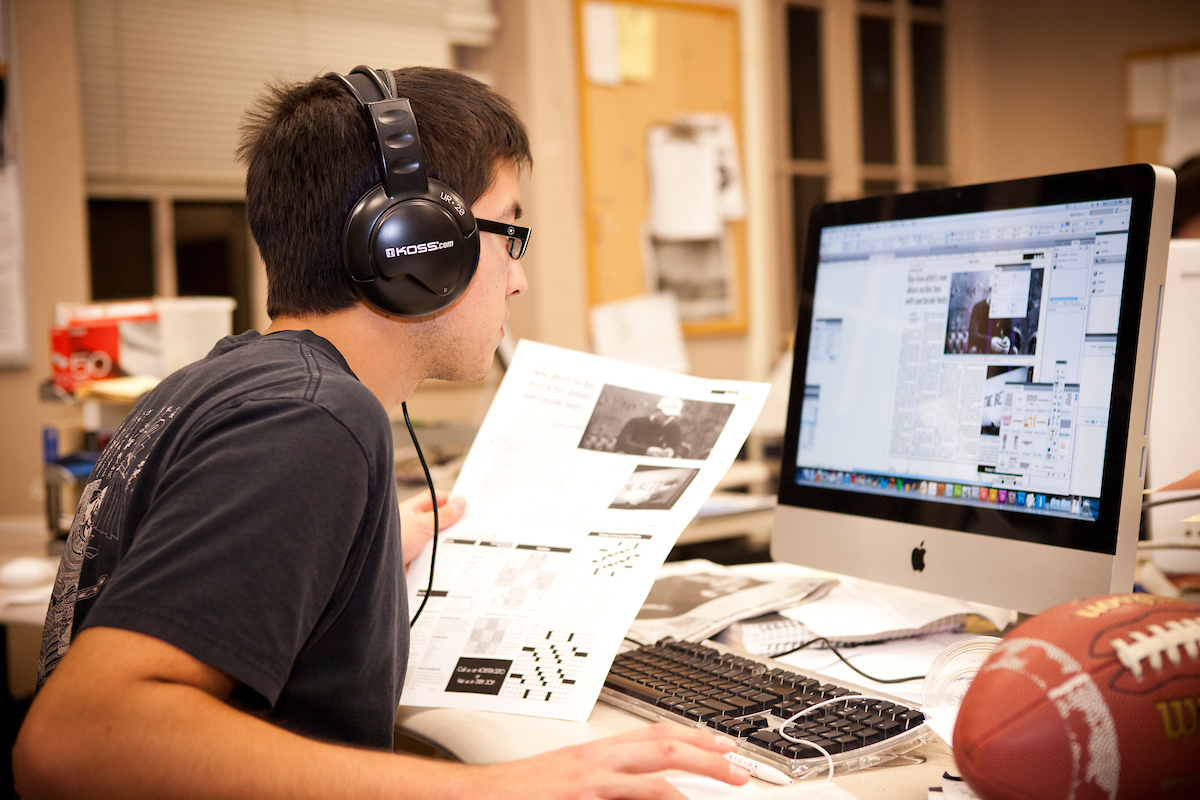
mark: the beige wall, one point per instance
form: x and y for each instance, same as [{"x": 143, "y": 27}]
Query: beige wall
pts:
[
  {"x": 1037, "y": 87},
  {"x": 1043, "y": 87},
  {"x": 50, "y": 152}
]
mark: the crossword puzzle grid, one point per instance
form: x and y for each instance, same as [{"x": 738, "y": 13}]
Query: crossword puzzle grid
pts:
[
  {"x": 614, "y": 556},
  {"x": 487, "y": 636},
  {"x": 524, "y": 580},
  {"x": 547, "y": 668}
]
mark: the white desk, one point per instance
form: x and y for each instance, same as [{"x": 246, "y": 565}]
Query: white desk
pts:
[
  {"x": 478, "y": 737},
  {"x": 483, "y": 737}
]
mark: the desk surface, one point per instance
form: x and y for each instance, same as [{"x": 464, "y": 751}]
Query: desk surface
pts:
[
  {"x": 483, "y": 737},
  {"x": 478, "y": 737}
]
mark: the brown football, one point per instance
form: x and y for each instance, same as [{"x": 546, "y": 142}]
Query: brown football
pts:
[{"x": 1096, "y": 698}]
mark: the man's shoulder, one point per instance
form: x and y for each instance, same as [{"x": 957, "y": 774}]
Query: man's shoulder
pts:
[{"x": 284, "y": 368}]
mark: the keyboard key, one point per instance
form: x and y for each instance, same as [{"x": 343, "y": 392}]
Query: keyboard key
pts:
[
  {"x": 634, "y": 689},
  {"x": 744, "y": 705},
  {"x": 700, "y": 713},
  {"x": 806, "y": 749},
  {"x": 870, "y": 736},
  {"x": 843, "y": 743},
  {"x": 889, "y": 727},
  {"x": 740, "y": 729},
  {"x": 718, "y": 706},
  {"x": 765, "y": 738}
]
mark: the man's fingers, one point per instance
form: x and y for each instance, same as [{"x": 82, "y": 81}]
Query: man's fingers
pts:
[
  {"x": 417, "y": 504},
  {"x": 451, "y": 511},
  {"x": 422, "y": 503},
  {"x": 666, "y": 746},
  {"x": 700, "y": 737}
]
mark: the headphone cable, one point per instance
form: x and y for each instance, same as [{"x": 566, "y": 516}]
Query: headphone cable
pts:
[{"x": 433, "y": 496}]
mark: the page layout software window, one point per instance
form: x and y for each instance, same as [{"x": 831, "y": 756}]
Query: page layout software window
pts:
[{"x": 968, "y": 358}]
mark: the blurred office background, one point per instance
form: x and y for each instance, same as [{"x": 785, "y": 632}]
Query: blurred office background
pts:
[{"x": 121, "y": 121}]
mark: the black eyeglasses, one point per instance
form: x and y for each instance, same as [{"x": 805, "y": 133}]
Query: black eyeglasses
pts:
[{"x": 518, "y": 237}]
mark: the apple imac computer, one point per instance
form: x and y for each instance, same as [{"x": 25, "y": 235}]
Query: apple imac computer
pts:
[{"x": 969, "y": 404}]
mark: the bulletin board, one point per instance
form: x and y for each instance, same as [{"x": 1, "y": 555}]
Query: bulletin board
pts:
[
  {"x": 1162, "y": 105},
  {"x": 695, "y": 67}
]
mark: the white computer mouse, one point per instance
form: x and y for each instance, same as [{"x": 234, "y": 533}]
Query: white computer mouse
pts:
[{"x": 28, "y": 571}]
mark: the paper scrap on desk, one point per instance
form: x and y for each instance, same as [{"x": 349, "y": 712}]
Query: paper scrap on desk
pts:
[
  {"x": 953, "y": 788},
  {"x": 1191, "y": 482},
  {"x": 858, "y": 610},
  {"x": 941, "y": 721},
  {"x": 698, "y": 787},
  {"x": 565, "y": 528},
  {"x": 693, "y": 599}
]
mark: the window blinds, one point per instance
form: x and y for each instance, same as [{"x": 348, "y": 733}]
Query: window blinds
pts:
[{"x": 165, "y": 82}]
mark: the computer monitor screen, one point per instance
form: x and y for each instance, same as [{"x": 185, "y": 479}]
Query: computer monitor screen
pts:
[{"x": 968, "y": 406}]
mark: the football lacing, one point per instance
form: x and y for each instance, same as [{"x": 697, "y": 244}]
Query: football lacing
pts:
[{"x": 1166, "y": 639}]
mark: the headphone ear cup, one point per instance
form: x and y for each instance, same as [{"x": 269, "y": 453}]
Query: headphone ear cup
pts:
[
  {"x": 410, "y": 245},
  {"x": 413, "y": 256}
]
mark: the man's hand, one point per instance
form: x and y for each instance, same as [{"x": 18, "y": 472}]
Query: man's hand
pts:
[
  {"x": 416, "y": 521},
  {"x": 661, "y": 452},
  {"x": 618, "y": 768}
]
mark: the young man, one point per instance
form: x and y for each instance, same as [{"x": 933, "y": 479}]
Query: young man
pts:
[{"x": 230, "y": 618}]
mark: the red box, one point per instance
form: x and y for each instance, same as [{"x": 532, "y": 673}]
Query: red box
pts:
[{"x": 86, "y": 344}]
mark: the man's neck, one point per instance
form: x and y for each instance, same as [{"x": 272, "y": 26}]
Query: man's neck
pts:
[{"x": 376, "y": 348}]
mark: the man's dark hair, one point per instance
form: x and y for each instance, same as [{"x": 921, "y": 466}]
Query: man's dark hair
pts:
[{"x": 310, "y": 154}]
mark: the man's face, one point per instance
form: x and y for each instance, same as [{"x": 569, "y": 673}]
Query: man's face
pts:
[{"x": 465, "y": 336}]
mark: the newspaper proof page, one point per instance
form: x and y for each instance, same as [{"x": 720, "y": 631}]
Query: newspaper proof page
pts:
[
  {"x": 583, "y": 474},
  {"x": 694, "y": 599}
]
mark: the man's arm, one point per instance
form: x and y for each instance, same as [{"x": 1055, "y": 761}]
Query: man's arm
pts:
[{"x": 127, "y": 715}]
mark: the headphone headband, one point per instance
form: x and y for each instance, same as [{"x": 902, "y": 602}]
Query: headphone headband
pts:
[{"x": 399, "y": 147}]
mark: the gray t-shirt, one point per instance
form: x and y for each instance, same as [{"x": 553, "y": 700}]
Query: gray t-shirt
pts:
[{"x": 245, "y": 512}]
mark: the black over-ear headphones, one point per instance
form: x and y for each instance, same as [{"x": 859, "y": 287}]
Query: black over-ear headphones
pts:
[{"x": 410, "y": 244}]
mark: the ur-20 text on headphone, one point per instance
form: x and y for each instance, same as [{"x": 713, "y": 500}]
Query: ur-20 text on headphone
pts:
[{"x": 410, "y": 244}]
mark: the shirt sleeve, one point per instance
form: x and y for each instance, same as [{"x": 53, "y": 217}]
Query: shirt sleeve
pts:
[{"x": 245, "y": 541}]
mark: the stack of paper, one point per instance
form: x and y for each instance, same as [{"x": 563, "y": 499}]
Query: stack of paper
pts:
[{"x": 859, "y": 612}]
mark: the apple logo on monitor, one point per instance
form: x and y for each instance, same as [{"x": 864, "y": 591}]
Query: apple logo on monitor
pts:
[{"x": 918, "y": 557}]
